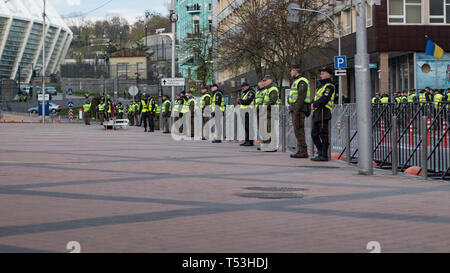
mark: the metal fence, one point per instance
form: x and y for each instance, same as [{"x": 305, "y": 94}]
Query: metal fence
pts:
[{"x": 404, "y": 135}]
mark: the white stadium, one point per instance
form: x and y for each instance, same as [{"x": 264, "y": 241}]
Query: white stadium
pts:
[{"x": 21, "y": 39}]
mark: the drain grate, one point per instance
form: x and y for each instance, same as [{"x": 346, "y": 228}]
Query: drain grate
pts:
[
  {"x": 272, "y": 195},
  {"x": 276, "y": 189}
]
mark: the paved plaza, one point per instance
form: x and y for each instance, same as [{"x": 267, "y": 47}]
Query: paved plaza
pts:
[{"x": 130, "y": 191}]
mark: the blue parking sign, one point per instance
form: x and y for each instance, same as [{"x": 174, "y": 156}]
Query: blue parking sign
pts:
[
  {"x": 340, "y": 62},
  {"x": 70, "y": 92}
]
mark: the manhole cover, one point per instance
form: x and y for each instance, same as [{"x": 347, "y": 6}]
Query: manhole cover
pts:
[
  {"x": 279, "y": 189},
  {"x": 272, "y": 195}
]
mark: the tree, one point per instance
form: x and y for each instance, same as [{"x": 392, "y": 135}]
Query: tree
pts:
[
  {"x": 258, "y": 37},
  {"x": 199, "y": 47}
]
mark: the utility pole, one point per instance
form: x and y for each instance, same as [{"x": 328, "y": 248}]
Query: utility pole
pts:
[
  {"x": 43, "y": 66},
  {"x": 364, "y": 107},
  {"x": 173, "y": 19}
]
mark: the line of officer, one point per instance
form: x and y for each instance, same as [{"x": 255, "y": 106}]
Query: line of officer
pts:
[
  {"x": 322, "y": 107},
  {"x": 300, "y": 108},
  {"x": 247, "y": 100}
]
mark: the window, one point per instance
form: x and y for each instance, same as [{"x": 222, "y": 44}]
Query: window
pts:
[
  {"x": 439, "y": 11},
  {"x": 405, "y": 11},
  {"x": 196, "y": 26},
  {"x": 368, "y": 15},
  {"x": 122, "y": 68},
  {"x": 209, "y": 6},
  {"x": 346, "y": 21},
  {"x": 210, "y": 25}
]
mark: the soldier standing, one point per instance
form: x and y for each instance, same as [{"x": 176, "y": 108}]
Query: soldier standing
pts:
[
  {"x": 87, "y": 112},
  {"x": 299, "y": 101}
]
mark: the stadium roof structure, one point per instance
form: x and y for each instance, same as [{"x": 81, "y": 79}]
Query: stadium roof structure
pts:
[{"x": 22, "y": 39}]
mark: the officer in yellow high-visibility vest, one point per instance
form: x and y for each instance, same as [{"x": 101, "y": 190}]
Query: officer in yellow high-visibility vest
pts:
[
  {"x": 271, "y": 98},
  {"x": 191, "y": 104},
  {"x": 205, "y": 102},
  {"x": 438, "y": 99},
  {"x": 322, "y": 107},
  {"x": 130, "y": 113},
  {"x": 218, "y": 105},
  {"x": 166, "y": 111},
  {"x": 447, "y": 95},
  {"x": 101, "y": 111},
  {"x": 144, "y": 111},
  {"x": 300, "y": 107},
  {"x": 157, "y": 114},
  {"x": 151, "y": 114},
  {"x": 260, "y": 92},
  {"x": 247, "y": 101},
  {"x": 87, "y": 112}
]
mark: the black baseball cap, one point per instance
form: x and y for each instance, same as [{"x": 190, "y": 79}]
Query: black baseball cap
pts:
[
  {"x": 326, "y": 69},
  {"x": 244, "y": 84}
]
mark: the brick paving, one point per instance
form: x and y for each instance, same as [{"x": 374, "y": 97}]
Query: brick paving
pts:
[{"x": 130, "y": 191}]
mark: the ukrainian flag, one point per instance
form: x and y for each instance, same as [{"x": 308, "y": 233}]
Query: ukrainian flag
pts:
[{"x": 433, "y": 49}]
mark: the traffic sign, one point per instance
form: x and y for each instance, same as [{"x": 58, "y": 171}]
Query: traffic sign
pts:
[
  {"x": 340, "y": 62},
  {"x": 70, "y": 104},
  {"x": 70, "y": 114},
  {"x": 70, "y": 92},
  {"x": 173, "y": 82},
  {"x": 340, "y": 72},
  {"x": 41, "y": 97},
  {"x": 133, "y": 90}
]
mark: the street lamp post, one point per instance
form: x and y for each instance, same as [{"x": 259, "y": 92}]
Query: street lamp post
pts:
[
  {"x": 295, "y": 7},
  {"x": 43, "y": 64},
  {"x": 362, "y": 85}
]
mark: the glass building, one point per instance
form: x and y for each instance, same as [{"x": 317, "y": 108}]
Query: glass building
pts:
[{"x": 22, "y": 39}]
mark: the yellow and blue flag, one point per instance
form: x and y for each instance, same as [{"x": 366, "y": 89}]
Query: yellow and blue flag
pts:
[{"x": 433, "y": 49}]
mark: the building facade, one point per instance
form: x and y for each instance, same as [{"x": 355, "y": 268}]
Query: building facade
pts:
[
  {"x": 22, "y": 39},
  {"x": 396, "y": 31},
  {"x": 128, "y": 63},
  {"x": 194, "y": 34}
]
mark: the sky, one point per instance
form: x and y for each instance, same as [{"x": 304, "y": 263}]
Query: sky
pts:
[{"x": 128, "y": 9}]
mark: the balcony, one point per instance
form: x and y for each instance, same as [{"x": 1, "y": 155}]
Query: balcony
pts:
[{"x": 194, "y": 8}]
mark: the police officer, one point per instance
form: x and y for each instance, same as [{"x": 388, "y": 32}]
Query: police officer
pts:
[
  {"x": 218, "y": 108},
  {"x": 271, "y": 98},
  {"x": 151, "y": 113},
  {"x": 87, "y": 112},
  {"x": 144, "y": 111},
  {"x": 166, "y": 111},
  {"x": 438, "y": 99},
  {"x": 130, "y": 113},
  {"x": 376, "y": 99},
  {"x": 247, "y": 100},
  {"x": 260, "y": 92},
  {"x": 300, "y": 107},
  {"x": 322, "y": 107},
  {"x": 119, "y": 109},
  {"x": 205, "y": 102},
  {"x": 157, "y": 115},
  {"x": 101, "y": 111},
  {"x": 191, "y": 104}
]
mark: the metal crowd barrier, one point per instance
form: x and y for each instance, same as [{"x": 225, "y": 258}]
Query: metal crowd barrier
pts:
[{"x": 404, "y": 135}]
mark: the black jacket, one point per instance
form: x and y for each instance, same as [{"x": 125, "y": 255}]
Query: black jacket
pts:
[
  {"x": 321, "y": 112},
  {"x": 250, "y": 97}
]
